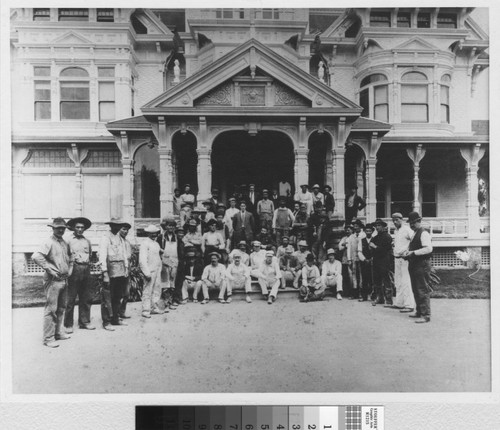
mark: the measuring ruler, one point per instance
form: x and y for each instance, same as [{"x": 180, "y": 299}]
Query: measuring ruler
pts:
[{"x": 259, "y": 418}]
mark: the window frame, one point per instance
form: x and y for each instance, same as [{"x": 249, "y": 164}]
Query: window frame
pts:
[
  {"x": 380, "y": 19},
  {"x": 369, "y": 89},
  {"x": 230, "y": 13},
  {"x": 74, "y": 80},
  {"x": 37, "y": 15},
  {"x": 415, "y": 83},
  {"x": 70, "y": 14},
  {"x": 105, "y": 17},
  {"x": 444, "y": 83},
  {"x": 103, "y": 79}
]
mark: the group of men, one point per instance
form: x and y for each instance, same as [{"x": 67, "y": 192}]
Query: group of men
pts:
[{"x": 202, "y": 250}]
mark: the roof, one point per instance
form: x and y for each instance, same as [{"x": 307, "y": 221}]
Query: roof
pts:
[
  {"x": 133, "y": 123},
  {"x": 366, "y": 124}
]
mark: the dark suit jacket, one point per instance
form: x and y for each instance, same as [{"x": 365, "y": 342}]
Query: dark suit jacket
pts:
[
  {"x": 252, "y": 207},
  {"x": 383, "y": 253},
  {"x": 248, "y": 228},
  {"x": 329, "y": 202}
]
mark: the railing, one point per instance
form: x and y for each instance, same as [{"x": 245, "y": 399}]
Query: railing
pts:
[{"x": 442, "y": 227}]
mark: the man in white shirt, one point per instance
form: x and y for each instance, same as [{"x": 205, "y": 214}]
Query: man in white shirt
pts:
[
  {"x": 317, "y": 196},
  {"x": 419, "y": 257},
  {"x": 238, "y": 276},
  {"x": 284, "y": 189},
  {"x": 331, "y": 273},
  {"x": 242, "y": 250},
  {"x": 304, "y": 196},
  {"x": 402, "y": 237},
  {"x": 256, "y": 258},
  {"x": 151, "y": 265},
  {"x": 269, "y": 277},
  {"x": 312, "y": 286},
  {"x": 214, "y": 276}
]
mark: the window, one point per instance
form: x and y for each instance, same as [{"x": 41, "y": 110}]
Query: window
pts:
[
  {"x": 73, "y": 14},
  {"x": 414, "y": 98},
  {"x": 424, "y": 20},
  {"x": 374, "y": 97},
  {"x": 75, "y": 97},
  {"x": 429, "y": 204},
  {"x": 106, "y": 93},
  {"x": 270, "y": 14},
  {"x": 105, "y": 15},
  {"x": 401, "y": 197},
  {"x": 404, "y": 20},
  {"x": 103, "y": 159},
  {"x": 41, "y": 14},
  {"x": 380, "y": 19},
  {"x": 230, "y": 13},
  {"x": 49, "y": 158},
  {"x": 446, "y": 20},
  {"x": 445, "y": 98},
  {"x": 42, "y": 93}
]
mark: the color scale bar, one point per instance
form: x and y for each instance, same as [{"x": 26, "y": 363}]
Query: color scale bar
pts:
[{"x": 260, "y": 418}]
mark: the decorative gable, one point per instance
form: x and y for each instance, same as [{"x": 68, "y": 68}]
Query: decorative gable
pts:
[
  {"x": 72, "y": 38},
  {"x": 416, "y": 44}
]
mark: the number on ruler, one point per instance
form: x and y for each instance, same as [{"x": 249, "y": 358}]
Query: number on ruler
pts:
[
  {"x": 296, "y": 427},
  {"x": 280, "y": 427},
  {"x": 311, "y": 426},
  {"x": 234, "y": 427},
  {"x": 202, "y": 427},
  {"x": 217, "y": 427},
  {"x": 249, "y": 426},
  {"x": 327, "y": 427},
  {"x": 264, "y": 426},
  {"x": 186, "y": 425}
]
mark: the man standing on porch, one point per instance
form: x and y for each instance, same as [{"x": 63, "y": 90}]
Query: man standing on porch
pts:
[
  {"x": 304, "y": 196},
  {"x": 187, "y": 197},
  {"x": 265, "y": 210},
  {"x": 284, "y": 188},
  {"x": 329, "y": 200},
  {"x": 252, "y": 199},
  {"x": 282, "y": 220},
  {"x": 231, "y": 211},
  {"x": 353, "y": 204},
  {"x": 243, "y": 225},
  {"x": 402, "y": 238}
]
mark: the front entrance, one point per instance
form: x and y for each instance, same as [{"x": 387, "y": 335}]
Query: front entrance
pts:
[{"x": 239, "y": 158}]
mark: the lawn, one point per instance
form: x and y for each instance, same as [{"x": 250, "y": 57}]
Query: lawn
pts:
[{"x": 455, "y": 284}]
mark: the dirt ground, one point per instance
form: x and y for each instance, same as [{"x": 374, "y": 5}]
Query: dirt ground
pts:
[{"x": 329, "y": 346}]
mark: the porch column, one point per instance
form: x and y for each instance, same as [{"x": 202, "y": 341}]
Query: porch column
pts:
[
  {"x": 338, "y": 180},
  {"x": 165, "y": 156},
  {"x": 204, "y": 173},
  {"x": 371, "y": 189},
  {"x": 472, "y": 156},
  {"x": 416, "y": 154},
  {"x": 128, "y": 204},
  {"x": 301, "y": 168}
]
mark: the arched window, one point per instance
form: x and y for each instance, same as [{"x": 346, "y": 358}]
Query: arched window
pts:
[
  {"x": 75, "y": 95},
  {"x": 445, "y": 98},
  {"x": 374, "y": 97},
  {"x": 414, "y": 98}
]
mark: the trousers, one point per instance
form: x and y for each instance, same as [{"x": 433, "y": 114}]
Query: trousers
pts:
[
  {"x": 204, "y": 287},
  {"x": 404, "y": 293},
  {"x": 273, "y": 283},
  {"x": 186, "y": 285},
  {"x": 55, "y": 306},
  {"x": 112, "y": 294},
  {"x": 151, "y": 292},
  {"x": 367, "y": 281},
  {"x": 382, "y": 282},
  {"x": 79, "y": 284},
  {"x": 419, "y": 275}
]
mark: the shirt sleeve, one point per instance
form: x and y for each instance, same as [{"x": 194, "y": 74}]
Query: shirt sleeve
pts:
[
  {"x": 304, "y": 276},
  {"x": 143, "y": 259},
  {"x": 323, "y": 272},
  {"x": 103, "y": 254},
  {"x": 40, "y": 256},
  {"x": 425, "y": 239},
  {"x": 339, "y": 274},
  {"x": 204, "y": 275},
  {"x": 275, "y": 215}
]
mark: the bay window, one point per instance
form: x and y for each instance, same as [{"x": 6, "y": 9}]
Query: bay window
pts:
[{"x": 414, "y": 98}]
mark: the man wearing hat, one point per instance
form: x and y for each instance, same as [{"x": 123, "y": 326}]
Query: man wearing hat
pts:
[
  {"x": 150, "y": 263},
  {"x": 269, "y": 275},
  {"x": 171, "y": 246},
  {"x": 302, "y": 253},
  {"x": 402, "y": 237},
  {"x": 214, "y": 276},
  {"x": 211, "y": 241},
  {"x": 290, "y": 268},
  {"x": 331, "y": 273},
  {"x": 210, "y": 210},
  {"x": 329, "y": 200},
  {"x": 284, "y": 188},
  {"x": 186, "y": 212},
  {"x": 199, "y": 215},
  {"x": 231, "y": 211},
  {"x": 381, "y": 246},
  {"x": 243, "y": 225},
  {"x": 265, "y": 211},
  {"x": 177, "y": 202},
  {"x": 353, "y": 258},
  {"x": 281, "y": 251},
  {"x": 304, "y": 196},
  {"x": 282, "y": 220},
  {"x": 419, "y": 259},
  {"x": 187, "y": 197},
  {"x": 238, "y": 276},
  {"x": 257, "y": 257},
  {"x": 317, "y": 195},
  {"x": 252, "y": 198},
  {"x": 80, "y": 282},
  {"x": 193, "y": 237},
  {"x": 301, "y": 223},
  {"x": 312, "y": 286},
  {"x": 115, "y": 253},
  {"x": 365, "y": 258},
  {"x": 214, "y": 199},
  {"x": 54, "y": 257},
  {"x": 353, "y": 204},
  {"x": 190, "y": 271},
  {"x": 242, "y": 250}
]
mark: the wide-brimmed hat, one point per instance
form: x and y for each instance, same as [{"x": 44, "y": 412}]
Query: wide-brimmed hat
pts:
[
  {"x": 151, "y": 229},
  {"x": 242, "y": 242},
  {"x": 79, "y": 220},
  {"x": 265, "y": 191},
  {"x": 231, "y": 199},
  {"x": 192, "y": 222},
  {"x": 256, "y": 243},
  {"x": 168, "y": 221},
  {"x": 236, "y": 253},
  {"x": 58, "y": 222},
  {"x": 397, "y": 215},
  {"x": 358, "y": 222},
  {"x": 369, "y": 226},
  {"x": 187, "y": 185},
  {"x": 206, "y": 202},
  {"x": 216, "y": 254},
  {"x": 118, "y": 222},
  {"x": 309, "y": 257},
  {"x": 302, "y": 243},
  {"x": 315, "y": 186},
  {"x": 414, "y": 217},
  {"x": 199, "y": 209},
  {"x": 330, "y": 251},
  {"x": 289, "y": 249},
  {"x": 179, "y": 229},
  {"x": 190, "y": 250},
  {"x": 269, "y": 254},
  {"x": 328, "y": 186},
  {"x": 211, "y": 222},
  {"x": 285, "y": 237},
  {"x": 184, "y": 204},
  {"x": 381, "y": 222},
  {"x": 304, "y": 185}
]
